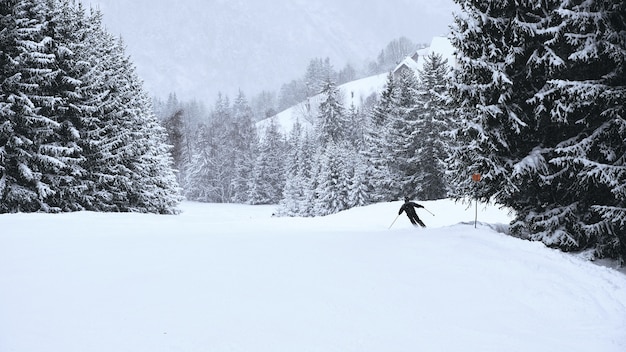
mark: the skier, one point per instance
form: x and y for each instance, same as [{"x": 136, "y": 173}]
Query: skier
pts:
[{"x": 409, "y": 207}]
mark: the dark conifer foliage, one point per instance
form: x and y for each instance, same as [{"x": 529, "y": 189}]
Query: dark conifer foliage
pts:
[
  {"x": 33, "y": 157},
  {"x": 77, "y": 130},
  {"x": 542, "y": 88},
  {"x": 435, "y": 120}
]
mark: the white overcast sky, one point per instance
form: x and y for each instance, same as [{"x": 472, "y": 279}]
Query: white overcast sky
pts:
[{"x": 196, "y": 48}]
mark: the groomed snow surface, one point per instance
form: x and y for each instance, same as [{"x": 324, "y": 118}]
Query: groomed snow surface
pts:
[{"x": 234, "y": 278}]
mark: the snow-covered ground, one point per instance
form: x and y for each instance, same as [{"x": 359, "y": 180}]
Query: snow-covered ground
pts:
[{"x": 234, "y": 278}]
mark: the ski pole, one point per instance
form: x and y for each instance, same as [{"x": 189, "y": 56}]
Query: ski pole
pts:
[
  {"x": 429, "y": 212},
  {"x": 394, "y": 221}
]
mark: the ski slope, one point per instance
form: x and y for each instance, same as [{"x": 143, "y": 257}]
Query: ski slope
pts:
[
  {"x": 223, "y": 277},
  {"x": 353, "y": 93}
]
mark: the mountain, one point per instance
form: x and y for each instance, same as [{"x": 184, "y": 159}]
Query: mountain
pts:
[
  {"x": 197, "y": 48},
  {"x": 356, "y": 92}
]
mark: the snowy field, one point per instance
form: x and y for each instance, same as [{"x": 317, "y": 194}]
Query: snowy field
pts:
[{"x": 234, "y": 278}]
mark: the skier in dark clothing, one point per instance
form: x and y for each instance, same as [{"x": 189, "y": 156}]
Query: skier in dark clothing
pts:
[{"x": 409, "y": 207}]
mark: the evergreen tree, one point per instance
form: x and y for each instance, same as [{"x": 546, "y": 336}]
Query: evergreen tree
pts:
[
  {"x": 76, "y": 127},
  {"x": 296, "y": 171},
  {"x": 197, "y": 185},
  {"x": 359, "y": 188},
  {"x": 333, "y": 181},
  {"x": 376, "y": 151},
  {"x": 245, "y": 139},
  {"x": 403, "y": 137},
  {"x": 174, "y": 125},
  {"x": 541, "y": 85},
  {"x": 355, "y": 126},
  {"x": 213, "y": 168},
  {"x": 33, "y": 159},
  {"x": 331, "y": 124},
  {"x": 268, "y": 179},
  {"x": 317, "y": 74},
  {"x": 430, "y": 131}
]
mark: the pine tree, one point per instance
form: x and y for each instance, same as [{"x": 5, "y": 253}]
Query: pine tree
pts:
[
  {"x": 547, "y": 81},
  {"x": 333, "y": 181},
  {"x": 77, "y": 131},
  {"x": 359, "y": 187},
  {"x": 34, "y": 161},
  {"x": 244, "y": 135},
  {"x": 104, "y": 136},
  {"x": 268, "y": 179},
  {"x": 213, "y": 167},
  {"x": 331, "y": 124},
  {"x": 296, "y": 165},
  {"x": 174, "y": 125},
  {"x": 197, "y": 185},
  {"x": 403, "y": 137},
  {"x": 430, "y": 130},
  {"x": 376, "y": 152}
]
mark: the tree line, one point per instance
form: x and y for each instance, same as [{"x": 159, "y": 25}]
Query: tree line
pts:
[{"x": 386, "y": 148}]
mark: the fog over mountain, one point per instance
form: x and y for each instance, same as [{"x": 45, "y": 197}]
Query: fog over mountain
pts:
[{"x": 197, "y": 48}]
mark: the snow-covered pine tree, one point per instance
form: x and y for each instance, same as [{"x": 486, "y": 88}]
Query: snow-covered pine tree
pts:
[
  {"x": 34, "y": 161},
  {"x": 376, "y": 153},
  {"x": 245, "y": 138},
  {"x": 355, "y": 126},
  {"x": 212, "y": 168},
  {"x": 126, "y": 159},
  {"x": 296, "y": 165},
  {"x": 404, "y": 136},
  {"x": 359, "y": 188},
  {"x": 196, "y": 186},
  {"x": 175, "y": 128},
  {"x": 336, "y": 157},
  {"x": 430, "y": 130},
  {"x": 331, "y": 123},
  {"x": 156, "y": 189},
  {"x": 103, "y": 137},
  {"x": 583, "y": 125},
  {"x": 546, "y": 79},
  {"x": 333, "y": 180},
  {"x": 268, "y": 178},
  {"x": 66, "y": 29},
  {"x": 317, "y": 74},
  {"x": 77, "y": 131}
]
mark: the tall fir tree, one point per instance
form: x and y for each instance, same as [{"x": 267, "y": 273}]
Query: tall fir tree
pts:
[
  {"x": 435, "y": 119},
  {"x": 297, "y": 171},
  {"x": 244, "y": 135},
  {"x": 268, "y": 178},
  {"x": 541, "y": 84},
  {"x": 213, "y": 167},
  {"x": 331, "y": 123},
  {"x": 376, "y": 153},
  {"x": 33, "y": 160},
  {"x": 333, "y": 180},
  {"x": 67, "y": 27},
  {"x": 76, "y": 127}
]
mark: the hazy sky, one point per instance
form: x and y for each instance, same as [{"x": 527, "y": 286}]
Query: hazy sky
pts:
[{"x": 197, "y": 48}]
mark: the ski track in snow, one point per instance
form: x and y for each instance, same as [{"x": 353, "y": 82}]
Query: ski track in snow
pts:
[{"x": 233, "y": 278}]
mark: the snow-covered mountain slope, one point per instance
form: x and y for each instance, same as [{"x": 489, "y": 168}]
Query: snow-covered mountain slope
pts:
[
  {"x": 225, "y": 277},
  {"x": 356, "y": 92}
]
